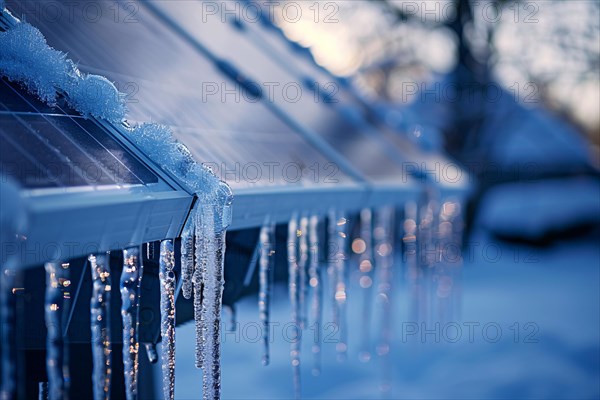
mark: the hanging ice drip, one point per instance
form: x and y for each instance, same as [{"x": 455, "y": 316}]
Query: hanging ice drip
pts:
[
  {"x": 8, "y": 383},
  {"x": 336, "y": 272},
  {"x": 427, "y": 256},
  {"x": 363, "y": 246},
  {"x": 100, "y": 325},
  {"x": 314, "y": 276},
  {"x": 384, "y": 261},
  {"x": 56, "y": 302},
  {"x": 187, "y": 260},
  {"x": 12, "y": 215},
  {"x": 302, "y": 272},
  {"x": 414, "y": 274},
  {"x": 130, "y": 283},
  {"x": 266, "y": 265},
  {"x": 448, "y": 261},
  {"x": 294, "y": 286},
  {"x": 211, "y": 221},
  {"x": 167, "y": 317},
  {"x": 436, "y": 292}
]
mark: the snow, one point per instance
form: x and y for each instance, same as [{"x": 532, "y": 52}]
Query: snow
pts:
[
  {"x": 530, "y": 210},
  {"x": 27, "y": 58}
]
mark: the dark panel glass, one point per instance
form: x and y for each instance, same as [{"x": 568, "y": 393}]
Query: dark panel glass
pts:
[
  {"x": 168, "y": 80},
  {"x": 48, "y": 151},
  {"x": 324, "y": 108}
]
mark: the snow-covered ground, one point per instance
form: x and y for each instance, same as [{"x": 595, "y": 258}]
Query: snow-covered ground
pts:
[{"x": 549, "y": 296}]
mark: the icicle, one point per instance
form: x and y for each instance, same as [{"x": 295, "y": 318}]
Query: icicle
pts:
[
  {"x": 8, "y": 383},
  {"x": 197, "y": 275},
  {"x": 410, "y": 256},
  {"x": 449, "y": 261},
  {"x": 167, "y": 317},
  {"x": 187, "y": 261},
  {"x": 296, "y": 342},
  {"x": 100, "y": 325},
  {"x": 332, "y": 258},
  {"x": 317, "y": 291},
  {"x": 302, "y": 261},
  {"x": 231, "y": 310},
  {"x": 425, "y": 259},
  {"x": 211, "y": 221},
  {"x": 337, "y": 275},
  {"x": 43, "y": 391},
  {"x": 266, "y": 265},
  {"x": 384, "y": 258},
  {"x": 57, "y": 282},
  {"x": 364, "y": 247},
  {"x": 131, "y": 278}
]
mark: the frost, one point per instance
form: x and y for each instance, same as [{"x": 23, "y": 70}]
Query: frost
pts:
[
  {"x": 96, "y": 96},
  {"x": 159, "y": 144},
  {"x": 27, "y": 58}
]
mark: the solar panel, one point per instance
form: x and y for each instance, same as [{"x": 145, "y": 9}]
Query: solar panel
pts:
[
  {"x": 325, "y": 111},
  {"x": 44, "y": 147},
  {"x": 445, "y": 174},
  {"x": 170, "y": 82},
  {"x": 61, "y": 161}
]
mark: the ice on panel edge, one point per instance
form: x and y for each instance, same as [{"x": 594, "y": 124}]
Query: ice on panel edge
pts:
[{"x": 28, "y": 60}]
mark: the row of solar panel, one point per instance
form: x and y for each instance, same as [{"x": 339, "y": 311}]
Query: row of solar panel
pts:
[
  {"x": 280, "y": 155},
  {"x": 174, "y": 77}
]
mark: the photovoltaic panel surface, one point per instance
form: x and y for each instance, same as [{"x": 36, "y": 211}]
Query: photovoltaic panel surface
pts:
[
  {"x": 48, "y": 147},
  {"x": 167, "y": 80},
  {"x": 325, "y": 108}
]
